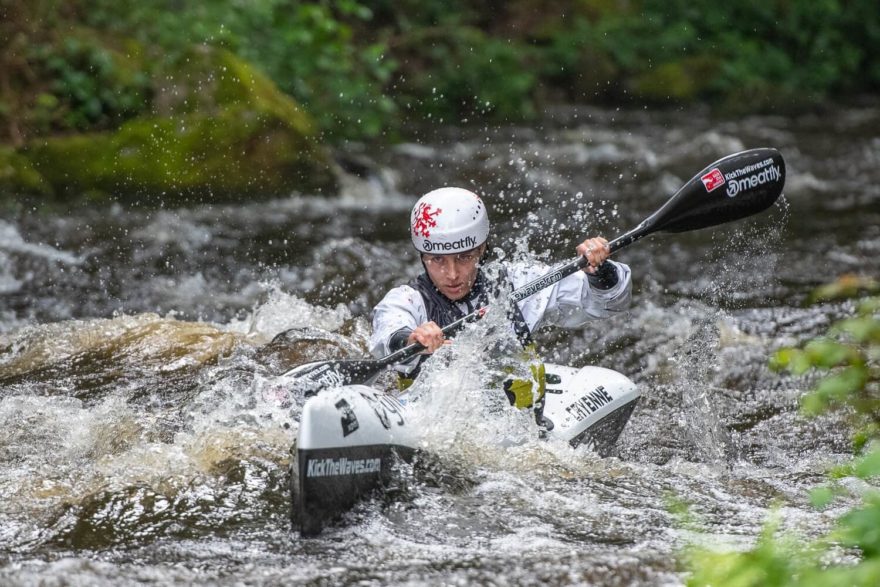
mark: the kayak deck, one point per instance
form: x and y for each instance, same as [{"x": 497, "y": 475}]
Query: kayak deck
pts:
[{"x": 352, "y": 438}]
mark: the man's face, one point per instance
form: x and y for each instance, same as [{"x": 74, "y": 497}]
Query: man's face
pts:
[{"x": 454, "y": 275}]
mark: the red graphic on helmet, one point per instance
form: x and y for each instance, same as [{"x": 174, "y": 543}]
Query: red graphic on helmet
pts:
[{"x": 423, "y": 220}]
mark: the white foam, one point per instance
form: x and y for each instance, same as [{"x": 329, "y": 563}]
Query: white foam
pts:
[
  {"x": 176, "y": 228},
  {"x": 282, "y": 311},
  {"x": 8, "y": 282},
  {"x": 12, "y": 241}
]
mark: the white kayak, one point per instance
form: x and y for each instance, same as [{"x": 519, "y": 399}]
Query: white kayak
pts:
[{"x": 351, "y": 437}]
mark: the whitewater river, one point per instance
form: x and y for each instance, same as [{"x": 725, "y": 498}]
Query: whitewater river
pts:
[{"x": 136, "y": 446}]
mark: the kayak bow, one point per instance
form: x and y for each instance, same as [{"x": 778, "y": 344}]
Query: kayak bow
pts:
[{"x": 351, "y": 438}]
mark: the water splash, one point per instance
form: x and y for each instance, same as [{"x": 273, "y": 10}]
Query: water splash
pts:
[{"x": 11, "y": 241}]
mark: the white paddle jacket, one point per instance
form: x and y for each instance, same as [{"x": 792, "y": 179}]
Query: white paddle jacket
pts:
[{"x": 569, "y": 303}]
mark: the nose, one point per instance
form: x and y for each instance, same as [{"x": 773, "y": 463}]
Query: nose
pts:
[{"x": 450, "y": 267}]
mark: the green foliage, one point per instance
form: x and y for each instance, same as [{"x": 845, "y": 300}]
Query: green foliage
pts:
[
  {"x": 308, "y": 49},
  {"x": 822, "y": 496},
  {"x": 773, "y": 561},
  {"x": 850, "y": 358},
  {"x": 55, "y": 76},
  {"x": 782, "y": 560},
  {"x": 845, "y": 287},
  {"x": 315, "y": 58},
  {"x": 468, "y": 73},
  {"x": 16, "y": 169},
  {"x": 91, "y": 88},
  {"x": 785, "y": 560},
  {"x": 850, "y": 355},
  {"x": 364, "y": 67},
  {"x": 860, "y": 528},
  {"x": 745, "y": 54}
]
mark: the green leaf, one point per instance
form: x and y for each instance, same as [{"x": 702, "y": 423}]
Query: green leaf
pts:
[
  {"x": 794, "y": 360},
  {"x": 841, "y": 471},
  {"x": 781, "y": 359},
  {"x": 869, "y": 306},
  {"x": 868, "y": 466},
  {"x": 862, "y": 329},
  {"x": 847, "y": 382},
  {"x": 846, "y": 286},
  {"x": 822, "y": 496},
  {"x": 827, "y": 353},
  {"x": 861, "y": 527},
  {"x": 838, "y": 389}
]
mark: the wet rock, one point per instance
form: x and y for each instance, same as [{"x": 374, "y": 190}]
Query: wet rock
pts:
[{"x": 303, "y": 345}]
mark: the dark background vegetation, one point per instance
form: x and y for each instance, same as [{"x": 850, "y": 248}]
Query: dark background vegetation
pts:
[{"x": 369, "y": 68}]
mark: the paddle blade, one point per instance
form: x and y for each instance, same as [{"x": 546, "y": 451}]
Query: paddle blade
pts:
[
  {"x": 310, "y": 378},
  {"x": 734, "y": 187}
]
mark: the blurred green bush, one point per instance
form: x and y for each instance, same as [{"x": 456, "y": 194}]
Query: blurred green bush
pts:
[
  {"x": 849, "y": 358},
  {"x": 365, "y": 68}
]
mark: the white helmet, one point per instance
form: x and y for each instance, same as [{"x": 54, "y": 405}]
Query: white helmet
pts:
[{"x": 449, "y": 220}]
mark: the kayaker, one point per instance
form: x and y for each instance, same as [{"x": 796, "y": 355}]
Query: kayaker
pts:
[{"x": 449, "y": 228}]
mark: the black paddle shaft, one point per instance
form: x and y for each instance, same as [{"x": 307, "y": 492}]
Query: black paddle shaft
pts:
[{"x": 729, "y": 189}]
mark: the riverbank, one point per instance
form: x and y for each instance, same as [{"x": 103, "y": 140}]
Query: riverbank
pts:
[{"x": 97, "y": 99}]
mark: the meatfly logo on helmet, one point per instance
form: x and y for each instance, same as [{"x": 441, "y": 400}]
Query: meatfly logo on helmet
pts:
[
  {"x": 713, "y": 180},
  {"x": 423, "y": 219}
]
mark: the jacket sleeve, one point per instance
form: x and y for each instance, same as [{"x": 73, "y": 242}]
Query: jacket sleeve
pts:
[
  {"x": 574, "y": 300},
  {"x": 401, "y": 308}
]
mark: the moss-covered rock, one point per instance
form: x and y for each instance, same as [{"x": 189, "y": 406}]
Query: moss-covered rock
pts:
[
  {"x": 17, "y": 171},
  {"x": 220, "y": 130},
  {"x": 683, "y": 80}
]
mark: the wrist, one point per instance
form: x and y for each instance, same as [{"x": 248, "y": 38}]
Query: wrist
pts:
[
  {"x": 605, "y": 276},
  {"x": 399, "y": 339}
]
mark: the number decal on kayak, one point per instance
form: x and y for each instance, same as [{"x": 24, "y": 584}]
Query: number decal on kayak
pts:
[
  {"x": 393, "y": 406},
  {"x": 383, "y": 405}
]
